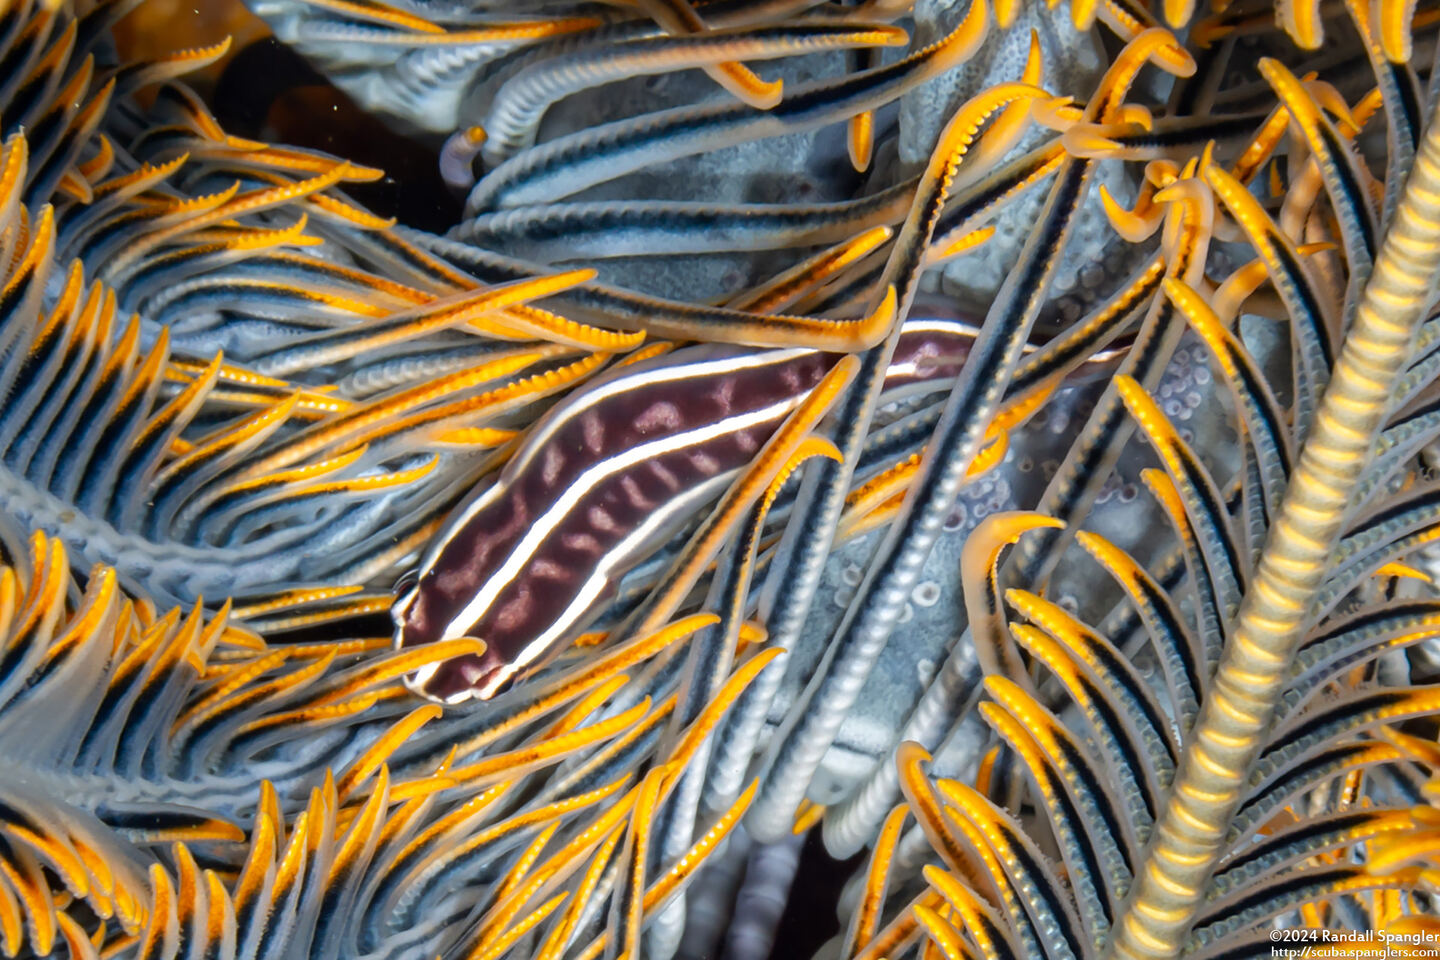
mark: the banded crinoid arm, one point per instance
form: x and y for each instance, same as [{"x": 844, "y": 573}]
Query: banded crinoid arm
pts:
[
  {"x": 161, "y": 232},
  {"x": 520, "y": 103},
  {"x": 519, "y": 826},
  {"x": 308, "y": 883},
  {"x": 448, "y": 893},
  {"x": 1199, "y": 776},
  {"x": 58, "y": 85},
  {"x": 61, "y": 874},
  {"x": 450, "y": 76},
  {"x": 150, "y": 719},
  {"x": 156, "y": 729},
  {"x": 711, "y": 175},
  {"x": 90, "y": 683},
  {"x": 130, "y": 444},
  {"x": 1276, "y": 610},
  {"x": 879, "y": 600},
  {"x": 235, "y": 245},
  {"x": 183, "y": 474},
  {"x": 1326, "y": 822}
]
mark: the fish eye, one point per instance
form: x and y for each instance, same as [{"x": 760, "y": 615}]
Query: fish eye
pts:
[{"x": 407, "y": 580}]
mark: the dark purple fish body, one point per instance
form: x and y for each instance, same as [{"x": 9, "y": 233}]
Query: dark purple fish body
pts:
[{"x": 602, "y": 481}]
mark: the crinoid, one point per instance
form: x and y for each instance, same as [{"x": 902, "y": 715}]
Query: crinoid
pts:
[
  {"x": 1260, "y": 777},
  {"x": 704, "y": 434},
  {"x": 140, "y": 742}
]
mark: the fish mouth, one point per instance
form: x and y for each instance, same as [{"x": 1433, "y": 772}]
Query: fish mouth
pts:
[
  {"x": 459, "y": 679},
  {"x": 446, "y": 682}
]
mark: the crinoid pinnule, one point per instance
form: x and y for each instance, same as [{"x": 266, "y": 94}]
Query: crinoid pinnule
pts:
[
  {"x": 174, "y": 788},
  {"x": 1227, "y": 752}
]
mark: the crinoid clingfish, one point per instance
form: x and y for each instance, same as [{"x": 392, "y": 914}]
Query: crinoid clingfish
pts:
[{"x": 855, "y": 479}]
